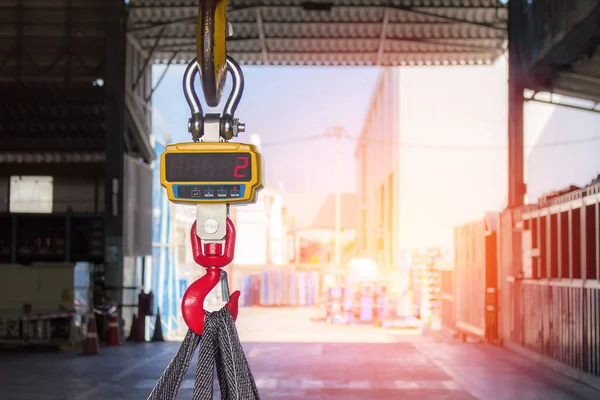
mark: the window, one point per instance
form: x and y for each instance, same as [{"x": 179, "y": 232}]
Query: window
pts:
[{"x": 31, "y": 194}]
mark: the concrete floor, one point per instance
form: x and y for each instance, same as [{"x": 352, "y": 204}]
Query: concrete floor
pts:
[{"x": 294, "y": 356}]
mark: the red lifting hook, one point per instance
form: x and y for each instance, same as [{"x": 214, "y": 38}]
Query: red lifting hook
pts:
[{"x": 192, "y": 307}]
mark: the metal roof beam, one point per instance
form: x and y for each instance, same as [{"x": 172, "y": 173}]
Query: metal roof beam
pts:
[
  {"x": 261, "y": 36},
  {"x": 414, "y": 10},
  {"x": 139, "y": 100},
  {"x": 43, "y": 141},
  {"x": 583, "y": 78},
  {"x": 48, "y": 157},
  {"x": 321, "y": 24},
  {"x": 160, "y": 78},
  {"x": 593, "y": 109},
  {"x": 141, "y": 128},
  {"x": 384, "y": 25},
  {"x": 335, "y": 58},
  {"x": 136, "y": 44},
  {"x": 30, "y": 78},
  {"x": 165, "y": 24},
  {"x": 194, "y": 8},
  {"x": 408, "y": 9},
  {"x": 147, "y": 60},
  {"x": 467, "y": 47},
  {"x": 185, "y": 41}
]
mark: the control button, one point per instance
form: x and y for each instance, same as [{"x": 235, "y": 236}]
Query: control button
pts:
[
  {"x": 222, "y": 193},
  {"x": 235, "y": 193},
  {"x": 195, "y": 193},
  {"x": 209, "y": 193}
]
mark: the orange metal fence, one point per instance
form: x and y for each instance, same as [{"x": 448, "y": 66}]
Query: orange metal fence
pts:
[
  {"x": 474, "y": 280},
  {"x": 549, "y": 264},
  {"x": 558, "y": 320}
]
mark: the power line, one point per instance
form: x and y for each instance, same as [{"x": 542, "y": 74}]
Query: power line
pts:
[
  {"x": 293, "y": 140},
  {"x": 487, "y": 147},
  {"x": 440, "y": 147}
]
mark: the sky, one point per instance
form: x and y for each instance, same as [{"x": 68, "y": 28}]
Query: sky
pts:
[
  {"x": 574, "y": 162},
  {"x": 448, "y": 105}
]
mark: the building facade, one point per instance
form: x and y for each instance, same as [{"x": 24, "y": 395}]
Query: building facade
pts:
[
  {"x": 378, "y": 172},
  {"x": 261, "y": 234},
  {"x": 431, "y": 155}
]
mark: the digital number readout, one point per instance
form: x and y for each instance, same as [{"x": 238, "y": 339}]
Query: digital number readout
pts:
[{"x": 208, "y": 167}]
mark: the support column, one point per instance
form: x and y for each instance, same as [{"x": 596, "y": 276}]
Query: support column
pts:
[
  {"x": 114, "y": 84},
  {"x": 516, "y": 85}
]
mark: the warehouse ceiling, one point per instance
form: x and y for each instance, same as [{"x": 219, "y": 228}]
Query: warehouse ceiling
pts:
[
  {"x": 51, "y": 53},
  {"x": 52, "y": 98},
  {"x": 581, "y": 80},
  {"x": 334, "y": 32},
  {"x": 569, "y": 62}
]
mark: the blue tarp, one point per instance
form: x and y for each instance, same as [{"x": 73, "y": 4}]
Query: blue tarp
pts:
[{"x": 164, "y": 278}]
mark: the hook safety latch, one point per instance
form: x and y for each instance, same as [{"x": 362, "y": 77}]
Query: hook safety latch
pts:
[
  {"x": 192, "y": 305},
  {"x": 213, "y": 254}
]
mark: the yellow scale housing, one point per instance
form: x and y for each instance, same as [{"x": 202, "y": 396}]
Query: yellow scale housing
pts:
[{"x": 195, "y": 185}]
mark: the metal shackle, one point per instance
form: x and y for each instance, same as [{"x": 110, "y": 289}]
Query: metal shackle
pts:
[{"x": 230, "y": 126}]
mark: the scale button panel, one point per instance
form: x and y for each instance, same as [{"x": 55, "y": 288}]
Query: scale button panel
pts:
[{"x": 209, "y": 192}]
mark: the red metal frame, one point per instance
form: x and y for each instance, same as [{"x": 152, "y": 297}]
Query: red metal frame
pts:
[{"x": 213, "y": 258}]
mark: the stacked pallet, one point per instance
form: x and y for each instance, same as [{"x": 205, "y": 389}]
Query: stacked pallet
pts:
[{"x": 279, "y": 288}]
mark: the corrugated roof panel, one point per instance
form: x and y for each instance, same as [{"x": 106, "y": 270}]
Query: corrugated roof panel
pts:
[
  {"x": 367, "y": 32},
  {"x": 316, "y": 30},
  {"x": 321, "y": 45}
]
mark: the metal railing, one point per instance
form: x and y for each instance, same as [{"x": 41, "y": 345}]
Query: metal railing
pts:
[
  {"x": 558, "y": 319},
  {"x": 547, "y": 201},
  {"x": 553, "y": 313}
]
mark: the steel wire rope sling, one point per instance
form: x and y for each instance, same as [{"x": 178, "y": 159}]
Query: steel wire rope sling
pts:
[{"x": 213, "y": 174}]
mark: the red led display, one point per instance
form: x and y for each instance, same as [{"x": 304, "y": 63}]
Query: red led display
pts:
[{"x": 208, "y": 167}]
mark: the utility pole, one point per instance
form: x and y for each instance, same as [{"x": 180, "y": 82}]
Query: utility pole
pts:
[{"x": 338, "y": 133}]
